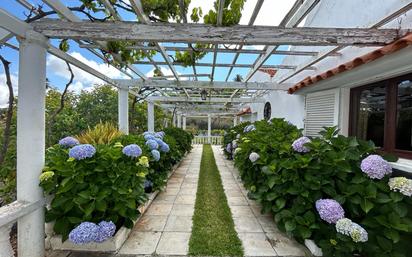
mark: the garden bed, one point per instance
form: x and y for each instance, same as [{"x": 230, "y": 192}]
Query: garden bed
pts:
[{"x": 112, "y": 244}]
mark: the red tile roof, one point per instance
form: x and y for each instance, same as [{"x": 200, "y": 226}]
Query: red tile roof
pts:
[
  {"x": 358, "y": 61},
  {"x": 244, "y": 111}
]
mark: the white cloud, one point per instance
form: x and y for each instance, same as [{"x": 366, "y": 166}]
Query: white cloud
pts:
[
  {"x": 4, "y": 91},
  {"x": 82, "y": 79}
]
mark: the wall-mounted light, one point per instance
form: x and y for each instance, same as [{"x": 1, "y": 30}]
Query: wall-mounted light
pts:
[{"x": 203, "y": 94}]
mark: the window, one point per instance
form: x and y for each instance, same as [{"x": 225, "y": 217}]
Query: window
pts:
[{"x": 382, "y": 112}]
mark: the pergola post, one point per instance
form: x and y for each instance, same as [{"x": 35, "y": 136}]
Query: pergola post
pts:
[
  {"x": 123, "y": 110},
  {"x": 209, "y": 128},
  {"x": 235, "y": 121},
  {"x": 179, "y": 120},
  {"x": 31, "y": 141},
  {"x": 150, "y": 117},
  {"x": 184, "y": 122},
  {"x": 174, "y": 122}
]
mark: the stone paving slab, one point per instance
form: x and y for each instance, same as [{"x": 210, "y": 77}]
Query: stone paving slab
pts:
[
  {"x": 257, "y": 231},
  {"x": 166, "y": 227}
]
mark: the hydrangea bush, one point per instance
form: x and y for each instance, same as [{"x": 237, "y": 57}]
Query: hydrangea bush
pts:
[
  {"x": 288, "y": 180},
  {"x": 102, "y": 185}
]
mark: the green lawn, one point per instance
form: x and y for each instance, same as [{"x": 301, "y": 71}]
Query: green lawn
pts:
[{"x": 213, "y": 232}]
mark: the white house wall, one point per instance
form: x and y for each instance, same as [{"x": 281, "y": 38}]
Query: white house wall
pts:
[{"x": 289, "y": 107}]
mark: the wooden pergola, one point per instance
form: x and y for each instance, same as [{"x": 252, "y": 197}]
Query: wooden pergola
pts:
[{"x": 224, "y": 98}]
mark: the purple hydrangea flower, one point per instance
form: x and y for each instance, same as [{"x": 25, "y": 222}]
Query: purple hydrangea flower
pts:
[
  {"x": 253, "y": 156},
  {"x": 68, "y": 142},
  {"x": 80, "y": 152},
  {"x": 299, "y": 145},
  {"x": 375, "y": 166},
  {"x": 234, "y": 144},
  {"x": 106, "y": 230},
  {"x": 147, "y": 133},
  {"x": 156, "y": 155},
  {"x": 229, "y": 148},
  {"x": 152, "y": 144},
  {"x": 84, "y": 233},
  {"x": 329, "y": 210},
  {"x": 164, "y": 147},
  {"x": 132, "y": 150}
]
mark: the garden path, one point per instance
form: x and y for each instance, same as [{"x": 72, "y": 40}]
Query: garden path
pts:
[
  {"x": 165, "y": 228},
  {"x": 258, "y": 233}
]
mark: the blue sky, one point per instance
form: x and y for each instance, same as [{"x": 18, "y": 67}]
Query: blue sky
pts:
[{"x": 57, "y": 73}]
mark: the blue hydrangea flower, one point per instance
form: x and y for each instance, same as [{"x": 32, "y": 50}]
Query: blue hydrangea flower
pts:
[
  {"x": 80, "y": 152},
  {"x": 84, "y": 233},
  {"x": 158, "y": 141},
  {"x": 132, "y": 150},
  {"x": 160, "y": 134},
  {"x": 254, "y": 157},
  {"x": 358, "y": 233},
  {"x": 249, "y": 128},
  {"x": 68, "y": 142},
  {"x": 329, "y": 210},
  {"x": 147, "y": 184},
  {"x": 147, "y": 133},
  {"x": 234, "y": 144},
  {"x": 149, "y": 137},
  {"x": 106, "y": 230},
  {"x": 152, "y": 144},
  {"x": 164, "y": 147},
  {"x": 156, "y": 155},
  {"x": 375, "y": 166},
  {"x": 299, "y": 145}
]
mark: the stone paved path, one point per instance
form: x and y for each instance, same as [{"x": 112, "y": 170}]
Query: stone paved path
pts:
[
  {"x": 258, "y": 233},
  {"x": 166, "y": 226}
]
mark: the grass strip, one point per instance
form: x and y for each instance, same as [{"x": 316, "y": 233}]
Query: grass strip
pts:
[{"x": 213, "y": 232}]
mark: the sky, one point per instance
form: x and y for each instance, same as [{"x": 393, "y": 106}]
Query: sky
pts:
[{"x": 270, "y": 14}]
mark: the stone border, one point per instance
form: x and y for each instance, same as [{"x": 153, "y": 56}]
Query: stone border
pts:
[{"x": 113, "y": 244}]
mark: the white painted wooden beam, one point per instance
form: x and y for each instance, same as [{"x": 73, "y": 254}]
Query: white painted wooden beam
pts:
[
  {"x": 256, "y": 10},
  {"x": 66, "y": 13},
  {"x": 138, "y": 9},
  {"x": 200, "y": 64},
  {"x": 209, "y": 128},
  {"x": 209, "y": 100},
  {"x": 202, "y": 84},
  {"x": 328, "y": 51},
  {"x": 291, "y": 20},
  {"x": 216, "y": 46},
  {"x": 220, "y": 50},
  {"x": 202, "y": 33}
]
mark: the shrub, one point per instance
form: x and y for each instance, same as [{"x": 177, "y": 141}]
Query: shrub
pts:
[
  {"x": 289, "y": 182},
  {"x": 107, "y": 186},
  {"x": 102, "y": 133}
]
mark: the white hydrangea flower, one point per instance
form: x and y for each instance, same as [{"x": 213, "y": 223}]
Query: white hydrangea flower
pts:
[
  {"x": 344, "y": 226},
  {"x": 401, "y": 184},
  {"x": 254, "y": 157}
]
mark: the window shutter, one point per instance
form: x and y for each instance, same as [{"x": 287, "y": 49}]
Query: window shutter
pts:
[{"x": 322, "y": 110}]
